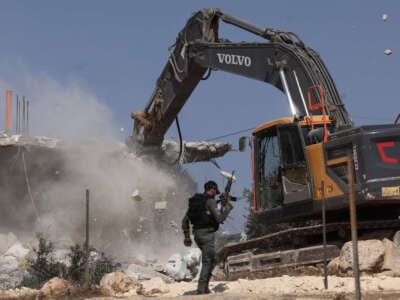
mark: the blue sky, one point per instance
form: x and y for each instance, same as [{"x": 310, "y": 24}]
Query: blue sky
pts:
[{"x": 115, "y": 51}]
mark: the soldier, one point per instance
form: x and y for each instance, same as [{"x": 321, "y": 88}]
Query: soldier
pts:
[{"x": 205, "y": 218}]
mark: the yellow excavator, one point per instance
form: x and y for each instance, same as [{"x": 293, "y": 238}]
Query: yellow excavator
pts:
[{"x": 296, "y": 161}]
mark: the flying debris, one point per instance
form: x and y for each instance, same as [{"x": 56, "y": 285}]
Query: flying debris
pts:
[
  {"x": 388, "y": 52},
  {"x": 384, "y": 17},
  {"x": 136, "y": 195}
]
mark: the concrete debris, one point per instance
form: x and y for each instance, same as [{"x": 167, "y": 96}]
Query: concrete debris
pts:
[
  {"x": 12, "y": 261},
  {"x": 11, "y": 275},
  {"x": 118, "y": 284},
  {"x": 18, "y": 251},
  {"x": 184, "y": 267},
  {"x": 195, "y": 151},
  {"x": 20, "y": 140},
  {"x": 57, "y": 287},
  {"x": 152, "y": 287},
  {"x": 145, "y": 273},
  {"x": 388, "y": 52},
  {"x": 370, "y": 252},
  {"x": 384, "y": 17},
  {"x": 228, "y": 175},
  {"x": 243, "y": 237},
  {"x": 160, "y": 205},
  {"x": 391, "y": 261},
  {"x": 8, "y": 264},
  {"x": 135, "y": 195}
]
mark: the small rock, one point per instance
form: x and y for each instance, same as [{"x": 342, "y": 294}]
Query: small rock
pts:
[
  {"x": 118, "y": 283},
  {"x": 57, "y": 287}
]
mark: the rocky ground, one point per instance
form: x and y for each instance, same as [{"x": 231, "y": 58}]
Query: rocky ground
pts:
[
  {"x": 284, "y": 287},
  {"x": 379, "y": 263}
]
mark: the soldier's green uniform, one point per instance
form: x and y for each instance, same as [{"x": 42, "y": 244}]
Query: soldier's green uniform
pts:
[{"x": 205, "y": 218}]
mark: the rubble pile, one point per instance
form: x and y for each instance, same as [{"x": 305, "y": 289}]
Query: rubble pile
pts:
[
  {"x": 375, "y": 256},
  {"x": 13, "y": 256}
]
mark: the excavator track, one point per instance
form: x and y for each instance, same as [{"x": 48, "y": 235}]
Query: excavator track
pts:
[{"x": 295, "y": 250}]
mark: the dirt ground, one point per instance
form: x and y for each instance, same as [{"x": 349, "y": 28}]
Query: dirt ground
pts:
[{"x": 287, "y": 288}]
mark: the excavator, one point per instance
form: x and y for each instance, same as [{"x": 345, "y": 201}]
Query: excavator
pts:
[{"x": 298, "y": 162}]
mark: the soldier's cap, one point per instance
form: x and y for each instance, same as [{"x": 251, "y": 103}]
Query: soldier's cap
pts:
[{"x": 211, "y": 184}]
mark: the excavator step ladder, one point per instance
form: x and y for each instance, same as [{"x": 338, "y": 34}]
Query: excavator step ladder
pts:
[{"x": 320, "y": 106}]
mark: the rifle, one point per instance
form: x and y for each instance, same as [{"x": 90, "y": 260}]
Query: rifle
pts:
[{"x": 225, "y": 196}]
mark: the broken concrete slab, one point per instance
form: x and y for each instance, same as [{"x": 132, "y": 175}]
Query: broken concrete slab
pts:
[
  {"x": 370, "y": 253},
  {"x": 195, "y": 151}
]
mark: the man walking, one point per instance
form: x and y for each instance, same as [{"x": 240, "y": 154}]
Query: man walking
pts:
[{"x": 205, "y": 218}]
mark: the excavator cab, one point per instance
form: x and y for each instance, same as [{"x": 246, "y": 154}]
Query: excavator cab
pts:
[{"x": 280, "y": 168}]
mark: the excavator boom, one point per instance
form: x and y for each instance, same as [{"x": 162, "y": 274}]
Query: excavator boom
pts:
[{"x": 283, "y": 61}]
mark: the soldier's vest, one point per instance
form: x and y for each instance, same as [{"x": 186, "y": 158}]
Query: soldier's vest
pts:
[{"x": 199, "y": 215}]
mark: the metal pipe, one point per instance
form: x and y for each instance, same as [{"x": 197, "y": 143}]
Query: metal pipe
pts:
[
  {"x": 23, "y": 115},
  {"x": 353, "y": 224},
  {"x": 263, "y": 32},
  {"x": 287, "y": 92},
  {"x": 17, "y": 116},
  {"x": 27, "y": 117},
  {"x": 301, "y": 93},
  {"x": 8, "y": 110}
]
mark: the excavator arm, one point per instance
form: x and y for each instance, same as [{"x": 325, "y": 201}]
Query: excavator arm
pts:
[{"x": 283, "y": 61}]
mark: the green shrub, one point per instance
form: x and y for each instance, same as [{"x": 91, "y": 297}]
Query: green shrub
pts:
[{"x": 42, "y": 267}]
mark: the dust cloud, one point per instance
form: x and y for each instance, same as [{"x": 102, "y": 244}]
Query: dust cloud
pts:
[
  {"x": 47, "y": 191},
  {"x": 125, "y": 193}
]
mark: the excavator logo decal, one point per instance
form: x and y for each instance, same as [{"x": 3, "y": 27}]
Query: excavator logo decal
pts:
[
  {"x": 381, "y": 149},
  {"x": 233, "y": 59}
]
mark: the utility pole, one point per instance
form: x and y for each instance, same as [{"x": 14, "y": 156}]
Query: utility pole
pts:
[{"x": 353, "y": 224}]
